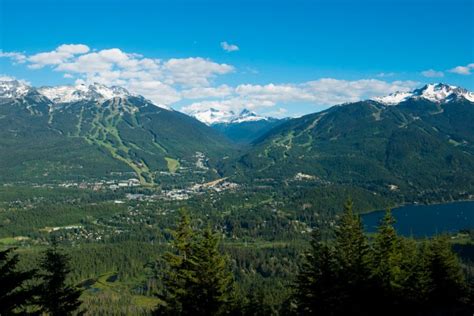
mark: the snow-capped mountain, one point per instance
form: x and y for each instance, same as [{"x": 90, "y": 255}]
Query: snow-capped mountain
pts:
[
  {"x": 248, "y": 116},
  {"x": 439, "y": 93},
  {"x": 10, "y": 89},
  {"x": 80, "y": 92},
  {"x": 213, "y": 116},
  {"x": 13, "y": 89}
]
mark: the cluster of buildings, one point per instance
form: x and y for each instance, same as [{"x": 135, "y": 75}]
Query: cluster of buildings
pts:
[
  {"x": 219, "y": 185},
  {"x": 103, "y": 184}
]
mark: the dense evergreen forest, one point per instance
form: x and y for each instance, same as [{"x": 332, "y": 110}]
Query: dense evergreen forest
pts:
[{"x": 337, "y": 271}]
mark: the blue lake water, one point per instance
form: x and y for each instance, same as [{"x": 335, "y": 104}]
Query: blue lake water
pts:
[{"x": 426, "y": 220}]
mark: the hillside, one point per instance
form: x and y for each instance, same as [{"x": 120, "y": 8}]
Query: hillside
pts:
[
  {"x": 99, "y": 133},
  {"x": 420, "y": 147}
]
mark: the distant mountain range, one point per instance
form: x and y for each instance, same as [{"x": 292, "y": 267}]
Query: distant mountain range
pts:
[
  {"x": 418, "y": 145},
  {"x": 242, "y": 128},
  {"x": 411, "y": 145},
  {"x": 215, "y": 116},
  {"x": 90, "y": 132}
]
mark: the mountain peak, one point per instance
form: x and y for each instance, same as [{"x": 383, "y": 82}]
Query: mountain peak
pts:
[
  {"x": 13, "y": 89},
  {"x": 215, "y": 116},
  {"x": 79, "y": 92},
  {"x": 434, "y": 92}
]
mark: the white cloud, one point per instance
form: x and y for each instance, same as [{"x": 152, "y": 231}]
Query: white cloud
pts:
[
  {"x": 194, "y": 71},
  {"x": 73, "y": 49},
  {"x": 321, "y": 93},
  {"x": 328, "y": 91},
  {"x": 58, "y": 56},
  {"x": 157, "y": 91},
  {"x": 274, "y": 93},
  {"x": 463, "y": 70},
  {"x": 163, "y": 81},
  {"x": 207, "y": 92},
  {"x": 431, "y": 73},
  {"x": 190, "y": 81},
  {"x": 18, "y": 58},
  {"x": 385, "y": 74},
  {"x": 229, "y": 47}
]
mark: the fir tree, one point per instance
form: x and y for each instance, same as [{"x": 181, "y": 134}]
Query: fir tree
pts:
[
  {"x": 197, "y": 280},
  {"x": 316, "y": 288},
  {"x": 178, "y": 274},
  {"x": 387, "y": 261},
  {"x": 352, "y": 254},
  {"x": 57, "y": 297},
  {"x": 15, "y": 293},
  {"x": 212, "y": 288},
  {"x": 448, "y": 286},
  {"x": 415, "y": 276}
]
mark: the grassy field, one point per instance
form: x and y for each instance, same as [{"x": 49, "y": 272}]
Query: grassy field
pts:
[{"x": 173, "y": 164}]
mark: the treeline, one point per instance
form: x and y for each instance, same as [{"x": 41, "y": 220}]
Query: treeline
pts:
[
  {"x": 343, "y": 272},
  {"x": 388, "y": 275}
]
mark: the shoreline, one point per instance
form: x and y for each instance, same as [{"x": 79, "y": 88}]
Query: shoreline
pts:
[{"x": 398, "y": 206}]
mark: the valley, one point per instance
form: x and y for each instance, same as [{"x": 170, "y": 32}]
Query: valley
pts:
[{"x": 107, "y": 175}]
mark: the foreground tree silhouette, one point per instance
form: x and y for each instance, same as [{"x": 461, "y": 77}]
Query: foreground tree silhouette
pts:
[
  {"x": 15, "y": 294},
  {"x": 352, "y": 261},
  {"x": 390, "y": 276},
  {"x": 56, "y": 296},
  {"x": 197, "y": 280},
  {"x": 448, "y": 287},
  {"x": 387, "y": 270},
  {"x": 316, "y": 291},
  {"x": 335, "y": 277}
]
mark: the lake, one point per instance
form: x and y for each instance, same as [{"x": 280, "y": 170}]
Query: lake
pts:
[{"x": 426, "y": 220}]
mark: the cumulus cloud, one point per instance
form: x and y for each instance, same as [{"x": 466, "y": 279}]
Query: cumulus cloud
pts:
[
  {"x": 207, "y": 92},
  {"x": 321, "y": 93},
  {"x": 195, "y": 71},
  {"x": 328, "y": 91},
  {"x": 463, "y": 70},
  {"x": 229, "y": 47},
  {"x": 431, "y": 73},
  {"x": 159, "y": 80},
  {"x": 58, "y": 56},
  {"x": 16, "y": 57},
  {"x": 191, "y": 81}
]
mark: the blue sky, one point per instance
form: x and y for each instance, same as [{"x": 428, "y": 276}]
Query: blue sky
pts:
[{"x": 282, "y": 57}]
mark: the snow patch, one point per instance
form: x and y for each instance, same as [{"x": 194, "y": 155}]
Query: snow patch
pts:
[
  {"x": 80, "y": 92},
  {"x": 438, "y": 93},
  {"x": 214, "y": 116},
  {"x": 13, "y": 89}
]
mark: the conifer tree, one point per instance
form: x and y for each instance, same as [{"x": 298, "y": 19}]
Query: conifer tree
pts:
[
  {"x": 15, "y": 294},
  {"x": 212, "y": 288},
  {"x": 448, "y": 286},
  {"x": 316, "y": 288},
  {"x": 387, "y": 261},
  {"x": 178, "y": 274},
  {"x": 197, "y": 280},
  {"x": 57, "y": 298},
  {"x": 415, "y": 277},
  {"x": 352, "y": 254}
]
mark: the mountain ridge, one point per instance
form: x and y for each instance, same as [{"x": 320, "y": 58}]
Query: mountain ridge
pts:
[
  {"x": 435, "y": 92},
  {"x": 418, "y": 149},
  {"x": 43, "y": 141}
]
